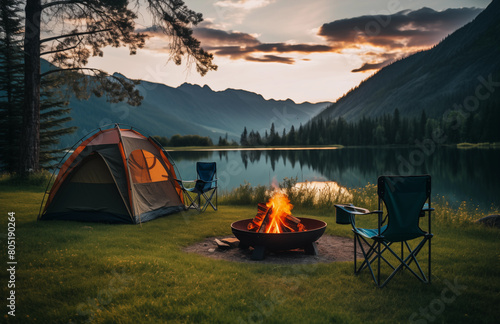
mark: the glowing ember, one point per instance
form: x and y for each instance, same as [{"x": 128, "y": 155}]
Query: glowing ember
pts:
[{"x": 275, "y": 217}]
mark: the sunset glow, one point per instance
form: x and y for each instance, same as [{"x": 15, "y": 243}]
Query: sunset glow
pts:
[{"x": 287, "y": 49}]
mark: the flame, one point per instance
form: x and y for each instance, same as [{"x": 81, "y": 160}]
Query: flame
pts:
[
  {"x": 276, "y": 216},
  {"x": 281, "y": 206}
]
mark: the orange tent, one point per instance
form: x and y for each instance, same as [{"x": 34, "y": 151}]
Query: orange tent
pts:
[{"x": 115, "y": 176}]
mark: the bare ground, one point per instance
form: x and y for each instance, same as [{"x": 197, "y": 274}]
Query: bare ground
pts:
[{"x": 330, "y": 249}]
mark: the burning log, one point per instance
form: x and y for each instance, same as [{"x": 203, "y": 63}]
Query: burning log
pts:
[
  {"x": 275, "y": 217},
  {"x": 292, "y": 224},
  {"x": 262, "y": 213}
]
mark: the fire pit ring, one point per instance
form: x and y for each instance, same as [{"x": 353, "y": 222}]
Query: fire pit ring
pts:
[{"x": 279, "y": 241}]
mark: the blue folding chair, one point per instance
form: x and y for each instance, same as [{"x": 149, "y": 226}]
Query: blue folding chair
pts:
[
  {"x": 205, "y": 185},
  {"x": 406, "y": 199}
]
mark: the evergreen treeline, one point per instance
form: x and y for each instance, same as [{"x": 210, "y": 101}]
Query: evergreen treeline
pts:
[
  {"x": 54, "y": 110},
  {"x": 454, "y": 127},
  {"x": 193, "y": 140},
  {"x": 186, "y": 140},
  {"x": 223, "y": 141}
]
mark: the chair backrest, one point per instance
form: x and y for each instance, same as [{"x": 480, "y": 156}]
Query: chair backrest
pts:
[
  {"x": 404, "y": 198},
  {"x": 206, "y": 171}
]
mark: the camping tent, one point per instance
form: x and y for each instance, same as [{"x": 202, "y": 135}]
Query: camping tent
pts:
[{"x": 115, "y": 176}]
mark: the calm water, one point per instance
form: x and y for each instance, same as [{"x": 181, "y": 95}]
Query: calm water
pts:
[{"x": 460, "y": 175}]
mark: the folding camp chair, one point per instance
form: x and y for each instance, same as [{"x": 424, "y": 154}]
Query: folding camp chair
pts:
[
  {"x": 406, "y": 199},
  {"x": 205, "y": 185}
]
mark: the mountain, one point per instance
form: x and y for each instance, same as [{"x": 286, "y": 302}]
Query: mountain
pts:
[
  {"x": 191, "y": 109},
  {"x": 435, "y": 80}
]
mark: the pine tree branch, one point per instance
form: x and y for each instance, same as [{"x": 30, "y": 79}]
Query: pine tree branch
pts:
[
  {"x": 69, "y": 69},
  {"x": 73, "y": 34},
  {"x": 59, "y": 2},
  {"x": 64, "y": 49}
]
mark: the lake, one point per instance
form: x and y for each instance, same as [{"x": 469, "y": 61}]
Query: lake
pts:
[{"x": 471, "y": 175}]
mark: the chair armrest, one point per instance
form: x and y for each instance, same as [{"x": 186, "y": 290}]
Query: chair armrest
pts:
[
  {"x": 345, "y": 213},
  {"x": 204, "y": 181},
  {"x": 181, "y": 183},
  {"x": 353, "y": 210},
  {"x": 426, "y": 208}
]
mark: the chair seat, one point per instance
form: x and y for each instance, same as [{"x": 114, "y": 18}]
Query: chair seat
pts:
[
  {"x": 368, "y": 232},
  {"x": 372, "y": 233}
]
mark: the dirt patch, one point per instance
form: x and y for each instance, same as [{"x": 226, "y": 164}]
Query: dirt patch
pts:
[{"x": 330, "y": 249}]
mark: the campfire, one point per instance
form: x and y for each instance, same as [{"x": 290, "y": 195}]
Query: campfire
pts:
[
  {"x": 274, "y": 228},
  {"x": 275, "y": 216}
]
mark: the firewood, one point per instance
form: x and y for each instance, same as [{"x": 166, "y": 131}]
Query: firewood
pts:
[
  {"x": 292, "y": 219},
  {"x": 265, "y": 221},
  {"x": 292, "y": 224},
  {"x": 262, "y": 208},
  {"x": 221, "y": 245},
  {"x": 288, "y": 226},
  {"x": 233, "y": 241},
  {"x": 257, "y": 220}
]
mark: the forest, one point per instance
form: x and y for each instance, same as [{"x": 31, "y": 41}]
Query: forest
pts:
[{"x": 455, "y": 126}]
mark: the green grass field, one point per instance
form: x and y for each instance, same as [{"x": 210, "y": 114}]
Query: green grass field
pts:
[{"x": 70, "y": 272}]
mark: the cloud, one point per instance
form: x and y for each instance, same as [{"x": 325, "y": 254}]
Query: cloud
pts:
[
  {"x": 238, "y": 45},
  {"x": 399, "y": 34},
  {"x": 234, "y": 11},
  {"x": 242, "y": 4},
  {"x": 271, "y": 58},
  {"x": 217, "y": 37},
  {"x": 377, "y": 39}
]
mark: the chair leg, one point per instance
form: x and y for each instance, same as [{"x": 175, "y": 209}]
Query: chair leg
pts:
[
  {"x": 378, "y": 257},
  {"x": 208, "y": 201},
  {"x": 355, "y": 253},
  {"x": 193, "y": 202},
  {"x": 402, "y": 251},
  {"x": 404, "y": 264},
  {"x": 429, "y": 262},
  {"x": 367, "y": 256},
  {"x": 375, "y": 254}
]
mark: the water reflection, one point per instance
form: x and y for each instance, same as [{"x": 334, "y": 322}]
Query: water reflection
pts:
[{"x": 457, "y": 174}]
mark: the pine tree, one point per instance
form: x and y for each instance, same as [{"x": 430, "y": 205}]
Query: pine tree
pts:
[
  {"x": 54, "y": 113},
  {"x": 291, "y": 137},
  {"x": 11, "y": 84},
  {"x": 83, "y": 29},
  {"x": 244, "y": 138}
]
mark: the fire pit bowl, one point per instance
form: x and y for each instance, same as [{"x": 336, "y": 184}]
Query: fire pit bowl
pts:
[{"x": 279, "y": 241}]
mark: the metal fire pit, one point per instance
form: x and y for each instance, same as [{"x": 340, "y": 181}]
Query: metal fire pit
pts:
[{"x": 279, "y": 241}]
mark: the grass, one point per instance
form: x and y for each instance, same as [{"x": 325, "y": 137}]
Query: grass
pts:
[{"x": 70, "y": 272}]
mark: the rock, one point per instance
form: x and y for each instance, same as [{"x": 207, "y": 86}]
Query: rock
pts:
[
  {"x": 490, "y": 221},
  {"x": 211, "y": 250}
]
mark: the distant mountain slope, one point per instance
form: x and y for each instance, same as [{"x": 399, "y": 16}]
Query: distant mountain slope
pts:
[
  {"x": 191, "y": 109},
  {"x": 431, "y": 80}
]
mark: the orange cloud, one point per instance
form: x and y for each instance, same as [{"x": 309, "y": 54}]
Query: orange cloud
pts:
[
  {"x": 237, "y": 45},
  {"x": 378, "y": 39},
  {"x": 395, "y": 35}
]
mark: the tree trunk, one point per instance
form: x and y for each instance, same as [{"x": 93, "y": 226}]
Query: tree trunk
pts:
[{"x": 30, "y": 138}]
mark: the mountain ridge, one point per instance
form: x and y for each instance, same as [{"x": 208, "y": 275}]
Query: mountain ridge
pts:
[
  {"x": 190, "y": 109},
  {"x": 430, "y": 80}
]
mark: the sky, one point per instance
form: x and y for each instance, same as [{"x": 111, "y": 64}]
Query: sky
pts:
[{"x": 315, "y": 50}]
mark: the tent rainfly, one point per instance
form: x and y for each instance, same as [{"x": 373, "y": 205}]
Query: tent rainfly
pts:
[{"x": 115, "y": 176}]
